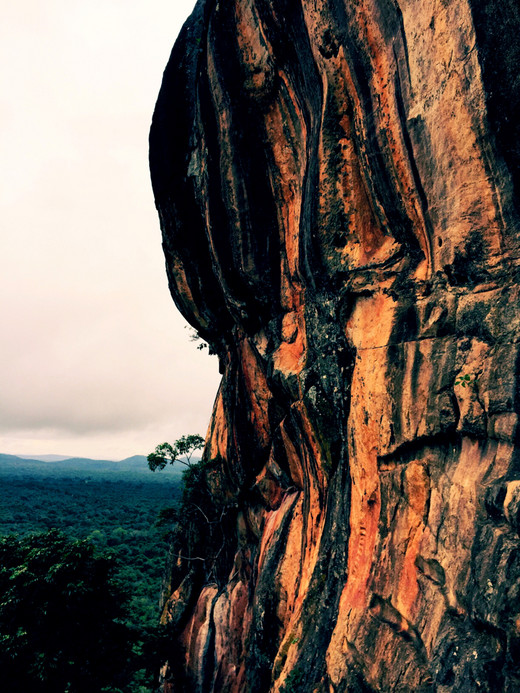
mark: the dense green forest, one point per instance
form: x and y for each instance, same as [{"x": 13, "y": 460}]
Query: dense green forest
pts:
[
  {"x": 113, "y": 508},
  {"x": 114, "y": 505},
  {"x": 64, "y": 620}
]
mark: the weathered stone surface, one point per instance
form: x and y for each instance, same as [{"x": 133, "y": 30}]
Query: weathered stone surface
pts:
[{"x": 338, "y": 187}]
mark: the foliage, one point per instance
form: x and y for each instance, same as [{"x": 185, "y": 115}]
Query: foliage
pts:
[
  {"x": 117, "y": 516},
  {"x": 62, "y": 617},
  {"x": 201, "y": 344},
  {"x": 195, "y": 337},
  {"x": 181, "y": 451},
  {"x": 199, "y": 524},
  {"x": 463, "y": 380},
  {"x": 117, "y": 513},
  {"x": 294, "y": 683},
  {"x": 198, "y": 535}
]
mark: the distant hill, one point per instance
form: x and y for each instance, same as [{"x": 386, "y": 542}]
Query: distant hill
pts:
[
  {"x": 46, "y": 458},
  {"x": 131, "y": 467}
]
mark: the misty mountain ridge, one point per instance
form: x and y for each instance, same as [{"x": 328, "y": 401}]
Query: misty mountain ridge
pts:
[
  {"x": 46, "y": 458},
  {"x": 56, "y": 465}
]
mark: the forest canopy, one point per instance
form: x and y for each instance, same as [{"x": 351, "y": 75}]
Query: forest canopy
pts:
[{"x": 62, "y": 617}]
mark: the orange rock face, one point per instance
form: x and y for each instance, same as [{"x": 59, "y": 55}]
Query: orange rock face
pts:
[{"x": 338, "y": 185}]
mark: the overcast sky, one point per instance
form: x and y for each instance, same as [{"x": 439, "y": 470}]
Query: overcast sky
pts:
[{"x": 94, "y": 357}]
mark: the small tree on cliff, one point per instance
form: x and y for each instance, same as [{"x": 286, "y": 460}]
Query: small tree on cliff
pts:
[
  {"x": 181, "y": 451},
  {"x": 199, "y": 524}
]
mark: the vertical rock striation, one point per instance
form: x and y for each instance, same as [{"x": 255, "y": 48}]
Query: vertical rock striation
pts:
[{"x": 338, "y": 184}]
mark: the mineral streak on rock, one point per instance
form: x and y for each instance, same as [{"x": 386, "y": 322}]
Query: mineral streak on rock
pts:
[{"x": 338, "y": 185}]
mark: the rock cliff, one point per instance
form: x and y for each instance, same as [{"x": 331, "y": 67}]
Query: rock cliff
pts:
[{"x": 338, "y": 185}]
